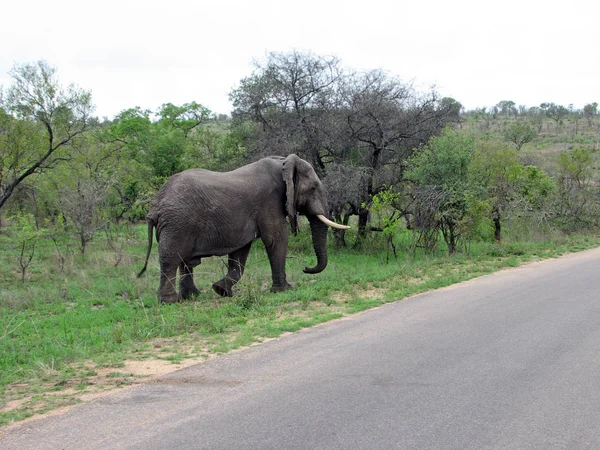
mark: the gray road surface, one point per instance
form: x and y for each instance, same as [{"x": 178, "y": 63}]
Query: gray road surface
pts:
[{"x": 507, "y": 361}]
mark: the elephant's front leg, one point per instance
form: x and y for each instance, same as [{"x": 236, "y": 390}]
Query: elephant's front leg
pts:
[
  {"x": 277, "y": 250},
  {"x": 187, "y": 288},
  {"x": 235, "y": 270}
]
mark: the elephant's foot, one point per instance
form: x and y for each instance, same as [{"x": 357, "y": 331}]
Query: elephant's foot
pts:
[
  {"x": 188, "y": 292},
  {"x": 223, "y": 288},
  {"x": 170, "y": 298},
  {"x": 281, "y": 288}
]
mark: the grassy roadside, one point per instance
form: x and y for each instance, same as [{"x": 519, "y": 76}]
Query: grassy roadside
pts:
[{"x": 91, "y": 326}]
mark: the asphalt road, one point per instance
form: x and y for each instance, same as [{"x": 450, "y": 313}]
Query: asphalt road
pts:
[{"x": 507, "y": 361}]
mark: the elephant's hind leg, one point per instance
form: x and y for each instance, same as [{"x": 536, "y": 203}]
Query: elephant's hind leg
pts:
[
  {"x": 187, "y": 288},
  {"x": 167, "y": 292},
  {"x": 235, "y": 270}
]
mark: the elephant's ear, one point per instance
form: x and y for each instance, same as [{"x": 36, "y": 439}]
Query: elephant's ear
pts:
[{"x": 289, "y": 176}]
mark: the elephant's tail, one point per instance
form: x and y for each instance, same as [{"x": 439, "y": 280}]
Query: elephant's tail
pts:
[{"x": 150, "y": 229}]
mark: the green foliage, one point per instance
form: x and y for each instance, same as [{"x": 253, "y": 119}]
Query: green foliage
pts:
[
  {"x": 146, "y": 148},
  {"x": 576, "y": 165},
  {"x": 185, "y": 117},
  {"x": 145, "y": 142},
  {"x": 537, "y": 186},
  {"x": 384, "y": 205},
  {"x": 497, "y": 171},
  {"x": 476, "y": 223},
  {"x": 444, "y": 161},
  {"x": 132, "y": 128},
  {"x": 173, "y": 139},
  {"x": 22, "y": 142},
  {"x": 162, "y": 143},
  {"x": 443, "y": 188},
  {"x": 168, "y": 147},
  {"x": 216, "y": 148},
  {"x": 495, "y": 164}
]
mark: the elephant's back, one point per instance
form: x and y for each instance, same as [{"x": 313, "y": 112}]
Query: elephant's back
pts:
[
  {"x": 180, "y": 183},
  {"x": 198, "y": 193},
  {"x": 202, "y": 182}
]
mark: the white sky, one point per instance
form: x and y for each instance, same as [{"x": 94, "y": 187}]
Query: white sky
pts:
[{"x": 145, "y": 53}]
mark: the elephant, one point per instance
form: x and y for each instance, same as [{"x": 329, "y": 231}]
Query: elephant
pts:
[{"x": 199, "y": 213}]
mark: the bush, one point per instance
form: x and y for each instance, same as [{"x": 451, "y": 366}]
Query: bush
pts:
[{"x": 22, "y": 236}]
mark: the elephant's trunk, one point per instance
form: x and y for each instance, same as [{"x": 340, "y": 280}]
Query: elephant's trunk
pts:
[{"x": 319, "y": 237}]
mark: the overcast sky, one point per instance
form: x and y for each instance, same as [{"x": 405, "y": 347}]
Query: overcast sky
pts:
[{"x": 145, "y": 53}]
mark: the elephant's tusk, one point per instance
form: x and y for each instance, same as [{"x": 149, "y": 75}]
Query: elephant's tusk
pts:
[{"x": 326, "y": 221}]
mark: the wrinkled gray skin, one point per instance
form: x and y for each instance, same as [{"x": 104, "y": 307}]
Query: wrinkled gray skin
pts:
[{"x": 199, "y": 213}]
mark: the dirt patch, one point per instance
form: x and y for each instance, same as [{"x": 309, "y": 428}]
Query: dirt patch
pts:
[
  {"x": 92, "y": 382},
  {"x": 13, "y": 405},
  {"x": 370, "y": 293},
  {"x": 145, "y": 369},
  {"x": 341, "y": 297}
]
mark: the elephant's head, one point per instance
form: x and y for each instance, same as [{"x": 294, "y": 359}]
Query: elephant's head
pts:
[{"x": 306, "y": 195}]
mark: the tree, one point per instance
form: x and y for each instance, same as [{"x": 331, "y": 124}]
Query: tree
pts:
[
  {"x": 185, "y": 117},
  {"x": 576, "y": 116},
  {"x": 160, "y": 144},
  {"x": 22, "y": 237},
  {"x": 536, "y": 118},
  {"x": 443, "y": 191},
  {"x": 555, "y": 112},
  {"x": 83, "y": 189},
  {"x": 497, "y": 169},
  {"x": 216, "y": 148},
  {"x": 369, "y": 123},
  {"x": 17, "y": 138},
  {"x": 519, "y": 133},
  {"x": 290, "y": 97},
  {"x": 387, "y": 120},
  {"x": 590, "y": 111},
  {"x": 384, "y": 206},
  {"x": 38, "y": 121},
  {"x": 507, "y": 108},
  {"x": 535, "y": 190},
  {"x": 576, "y": 204},
  {"x": 452, "y": 107}
]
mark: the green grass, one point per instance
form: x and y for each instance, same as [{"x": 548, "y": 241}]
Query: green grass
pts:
[{"x": 71, "y": 331}]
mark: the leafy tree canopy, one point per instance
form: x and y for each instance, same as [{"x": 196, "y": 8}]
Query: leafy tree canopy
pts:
[{"x": 49, "y": 117}]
